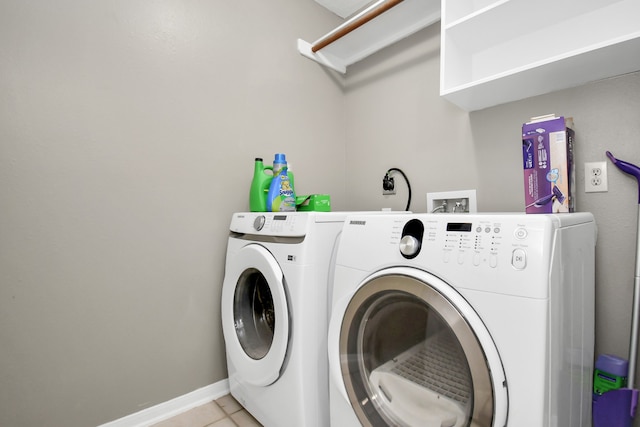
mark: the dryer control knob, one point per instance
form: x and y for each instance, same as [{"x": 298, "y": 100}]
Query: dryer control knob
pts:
[
  {"x": 409, "y": 246},
  {"x": 258, "y": 223}
]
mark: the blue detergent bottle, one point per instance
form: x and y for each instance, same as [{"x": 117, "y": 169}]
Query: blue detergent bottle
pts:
[{"x": 281, "y": 196}]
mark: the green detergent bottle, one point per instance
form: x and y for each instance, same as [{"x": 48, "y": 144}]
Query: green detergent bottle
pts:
[
  {"x": 260, "y": 186},
  {"x": 281, "y": 196}
]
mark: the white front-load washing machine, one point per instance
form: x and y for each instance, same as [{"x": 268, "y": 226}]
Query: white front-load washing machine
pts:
[
  {"x": 275, "y": 314},
  {"x": 451, "y": 320}
]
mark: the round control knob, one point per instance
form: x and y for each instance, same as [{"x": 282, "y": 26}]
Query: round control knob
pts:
[
  {"x": 258, "y": 223},
  {"x": 409, "y": 246}
]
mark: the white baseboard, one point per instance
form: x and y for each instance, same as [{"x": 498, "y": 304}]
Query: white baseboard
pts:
[{"x": 173, "y": 407}]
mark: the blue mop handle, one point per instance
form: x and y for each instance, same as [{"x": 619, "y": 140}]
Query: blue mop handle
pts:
[{"x": 633, "y": 170}]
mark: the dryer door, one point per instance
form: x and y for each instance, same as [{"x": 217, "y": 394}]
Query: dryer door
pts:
[
  {"x": 255, "y": 315},
  {"x": 413, "y": 352}
]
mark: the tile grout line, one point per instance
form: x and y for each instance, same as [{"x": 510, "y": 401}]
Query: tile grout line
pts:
[{"x": 225, "y": 405}]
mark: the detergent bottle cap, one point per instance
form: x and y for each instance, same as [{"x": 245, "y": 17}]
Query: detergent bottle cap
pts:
[{"x": 280, "y": 158}]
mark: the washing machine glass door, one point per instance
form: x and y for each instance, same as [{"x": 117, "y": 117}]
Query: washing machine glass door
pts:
[
  {"x": 411, "y": 357},
  {"x": 255, "y": 315}
]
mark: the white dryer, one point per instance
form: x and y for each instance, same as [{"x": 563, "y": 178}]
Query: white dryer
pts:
[
  {"x": 452, "y": 320},
  {"x": 275, "y": 314}
]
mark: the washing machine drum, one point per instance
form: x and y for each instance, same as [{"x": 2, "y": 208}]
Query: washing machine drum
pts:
[
  {"x": 255, "y": 316},
  {"x": 414, "y": 353}
]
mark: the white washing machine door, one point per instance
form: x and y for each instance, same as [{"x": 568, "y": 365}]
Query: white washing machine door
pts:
[
  {"x": 255, "y": 315},
  {"x": 411, "y": 351}
]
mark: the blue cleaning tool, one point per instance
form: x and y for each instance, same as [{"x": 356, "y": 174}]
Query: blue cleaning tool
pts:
[{"x": 617, "y": 408}]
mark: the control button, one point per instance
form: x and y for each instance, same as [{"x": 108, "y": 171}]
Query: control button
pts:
[
  {"x": 446, "y": 256},
  {"x": 460, "y": 258},
  {"x": 478, "y": 229},
  {"x": 258, "y": 223},
  {"x": 519, "y": 259},
  {"x": 476, "y": 259},
  {"x": 520, "y": 233},
  {"x": 496, "y": 230},
  {"x": 487, "y": 230},
  {"x": 493, "y": 260},
  {"x": 409, "y": 246}
]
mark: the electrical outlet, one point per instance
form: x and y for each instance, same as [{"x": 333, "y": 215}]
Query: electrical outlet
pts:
[
  {"x": 388, "y": 186},
  {"x": 595, "y": 177}
]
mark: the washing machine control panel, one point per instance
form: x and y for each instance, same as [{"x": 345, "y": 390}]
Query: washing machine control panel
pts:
[{"x": 270, "y": 224}]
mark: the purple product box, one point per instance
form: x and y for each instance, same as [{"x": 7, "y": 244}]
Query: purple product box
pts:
[{"x": 547, "y": 153}]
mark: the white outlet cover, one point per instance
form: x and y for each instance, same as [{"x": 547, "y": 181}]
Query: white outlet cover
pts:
[{"x": 595, "y": 177}]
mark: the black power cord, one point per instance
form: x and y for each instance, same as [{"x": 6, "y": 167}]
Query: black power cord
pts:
[{"x": 387, "y": 183}]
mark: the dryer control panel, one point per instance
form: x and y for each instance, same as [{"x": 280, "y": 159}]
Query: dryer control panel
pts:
[
  {"x": 486, "y": 242},
  {"x": 508, "y": 253}
]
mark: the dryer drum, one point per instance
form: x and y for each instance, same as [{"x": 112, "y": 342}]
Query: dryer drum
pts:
[
  {"x": 409, "y": 358},
  {"x": 254, "y": 314}
]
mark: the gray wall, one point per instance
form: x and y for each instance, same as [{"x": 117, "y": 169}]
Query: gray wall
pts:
[
  {"x": 128, "y": 131},
  {"x": 127, "y": 135},
  {"x": 396, "y": 118}
]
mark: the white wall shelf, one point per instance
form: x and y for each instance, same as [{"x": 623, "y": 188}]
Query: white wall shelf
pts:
[
  {"x": 344, "y": 8},
  {"x": 399, "y": 22},
  {"x": 494, "y": 52}
]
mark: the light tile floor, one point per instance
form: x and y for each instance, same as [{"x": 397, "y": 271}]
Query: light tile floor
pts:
[{"x": 222, "y": 412}]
